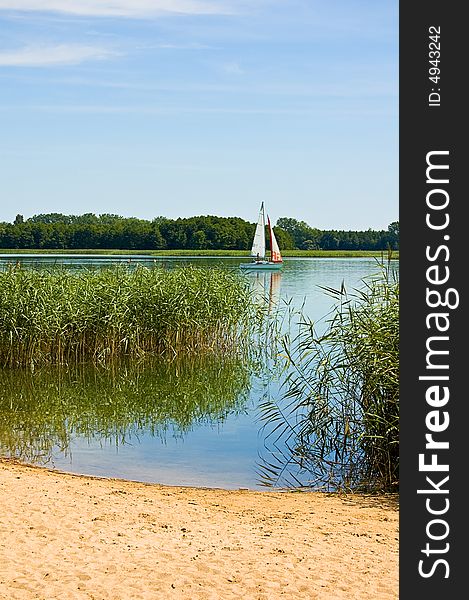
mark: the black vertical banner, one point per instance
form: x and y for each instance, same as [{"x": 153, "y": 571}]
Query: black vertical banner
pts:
[{"x": 434, "y": 321}]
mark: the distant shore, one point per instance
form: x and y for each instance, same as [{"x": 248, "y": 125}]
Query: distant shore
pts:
[
  {"x": 208, "y": 253},
  {"x": 69, "y": 536}
]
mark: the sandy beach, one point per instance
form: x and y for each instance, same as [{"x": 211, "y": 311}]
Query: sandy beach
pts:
[{"x": 65, "y": 536}]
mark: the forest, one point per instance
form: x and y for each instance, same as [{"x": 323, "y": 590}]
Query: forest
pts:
[{"x": 109, "y": 231}]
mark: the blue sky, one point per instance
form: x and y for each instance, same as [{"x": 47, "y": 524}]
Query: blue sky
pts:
[{"x": 186, "y": 107}]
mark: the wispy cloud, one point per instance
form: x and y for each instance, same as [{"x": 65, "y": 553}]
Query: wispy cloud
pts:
[
  {"x": 232, "y": 68},
  {"x": 121, "y": 8},
  {"x": 49, "y": 55},
  {"x": 365, "y": 88},
  {"x": 170, "y": 46},
  {"x": 177, "y": 110}
]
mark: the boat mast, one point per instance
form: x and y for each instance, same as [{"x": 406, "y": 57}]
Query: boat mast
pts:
[{"x": 270, "y": 239}]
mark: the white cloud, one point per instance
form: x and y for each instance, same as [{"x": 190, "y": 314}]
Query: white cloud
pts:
[
  {"x": 232, "y": 68},
  {"x": 60, "y": 54},
  {"x": 169, "y": 46},
  {"x": 120, "y": 8}
]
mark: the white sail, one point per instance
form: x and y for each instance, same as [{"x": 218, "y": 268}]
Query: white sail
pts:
[
  {"x": 275, "y": 255},
  {"x": 258, "y": 245}
]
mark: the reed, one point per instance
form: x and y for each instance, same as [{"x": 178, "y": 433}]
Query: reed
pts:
[
  {"x": 337, "y": 423},
  {"x": 63, "y": 316}
]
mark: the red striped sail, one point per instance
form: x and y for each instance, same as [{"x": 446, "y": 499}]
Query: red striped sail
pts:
[{"x": 275, "y": 255}]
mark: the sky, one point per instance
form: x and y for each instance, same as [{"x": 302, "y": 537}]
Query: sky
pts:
[{"x": 177, "y": 108}]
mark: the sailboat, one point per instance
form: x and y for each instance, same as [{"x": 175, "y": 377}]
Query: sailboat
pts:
[{"x": 258, "y": 247}]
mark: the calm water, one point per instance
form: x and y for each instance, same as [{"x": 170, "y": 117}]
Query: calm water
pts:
[{"x": 184, "y": 423}]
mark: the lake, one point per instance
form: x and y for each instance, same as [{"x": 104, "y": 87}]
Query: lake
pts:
[{"x": 184, "y": 422}]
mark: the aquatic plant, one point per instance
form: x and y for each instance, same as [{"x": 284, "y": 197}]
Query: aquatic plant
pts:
[
  {"x": 60, "y": 316},
  {"x": 43, "y": 410},
  {"x": 336, "y": 425}
]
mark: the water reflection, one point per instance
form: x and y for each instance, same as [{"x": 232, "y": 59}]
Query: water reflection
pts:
[
  {"x": 42, "y": 412},
  {"x": 266, "y": 286},
  {"x": 182, "y": 423}
]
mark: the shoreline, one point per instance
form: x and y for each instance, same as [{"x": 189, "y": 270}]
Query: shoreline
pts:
[
  {"x": 200, "y": 253},
  {"x": 66, "y": 535}
]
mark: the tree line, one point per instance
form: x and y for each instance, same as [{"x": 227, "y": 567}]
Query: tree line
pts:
[{"x": 108, "y": 231}]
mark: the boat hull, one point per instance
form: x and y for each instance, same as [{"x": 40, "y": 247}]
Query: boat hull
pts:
[{"x": 261, "y": 266}]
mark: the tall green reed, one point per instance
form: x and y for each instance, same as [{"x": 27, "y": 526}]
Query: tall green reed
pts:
[
  {"x": 337, "y": 423},
  {"x": 62, "y": 316}
]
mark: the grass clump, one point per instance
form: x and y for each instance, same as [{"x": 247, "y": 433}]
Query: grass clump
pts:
[
  {"x": 339, "y": 420},
  {"x": 63, "y": 316}
]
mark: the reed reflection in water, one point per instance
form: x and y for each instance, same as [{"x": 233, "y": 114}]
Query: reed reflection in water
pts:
[{"x": 43, "y": 412}]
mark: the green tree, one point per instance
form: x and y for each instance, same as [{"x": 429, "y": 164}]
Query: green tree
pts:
[
  {"x": 393, "y": 235},
  {"x": 50, "y": 218},
  {"x": 56, "y": 230},
  {"x": 299, "y": 231}
]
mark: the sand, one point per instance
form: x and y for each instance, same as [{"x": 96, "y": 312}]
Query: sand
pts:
[{"x": 65, "y": 536}]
